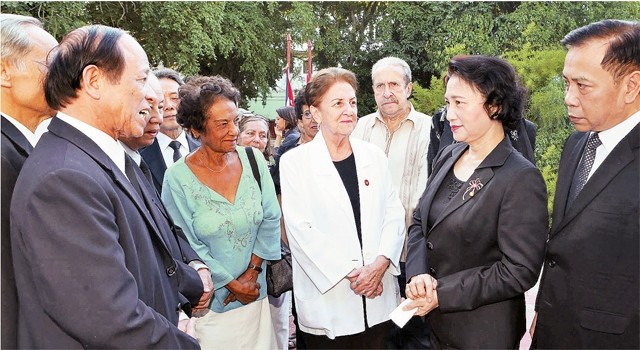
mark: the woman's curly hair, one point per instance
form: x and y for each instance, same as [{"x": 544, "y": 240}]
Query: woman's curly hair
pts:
[{"x": 197, "y": 96}]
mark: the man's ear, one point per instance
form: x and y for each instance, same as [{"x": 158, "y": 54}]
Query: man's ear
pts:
[
  {"x": 409, "y": 88},
  {"x": 632, "y": 87},
  {"x": 5, "y": 74},
  {"x": 92, "y": 82}
]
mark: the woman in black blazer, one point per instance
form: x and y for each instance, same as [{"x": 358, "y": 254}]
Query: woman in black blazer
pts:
[{"x": 477, "y": 239}]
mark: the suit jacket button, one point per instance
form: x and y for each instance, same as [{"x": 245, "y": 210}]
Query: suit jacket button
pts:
[
  {"x": 429, "y": 245},
  {"x": 432, "y": 272},
  {"x": 171, "y": 270},
  {"x": 551, "y": 263}
]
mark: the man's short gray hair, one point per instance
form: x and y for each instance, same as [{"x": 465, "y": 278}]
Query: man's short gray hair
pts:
[
  {"x": 15, "y": 42},
  {"x": 393, "y": 61}
]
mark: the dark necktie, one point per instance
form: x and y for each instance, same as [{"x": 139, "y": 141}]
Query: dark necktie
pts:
[
  {"x": 146, "y": 171},
  {"x": 176, "y": 150},
  {"x": 584, "y": 168},
  {"x": 130, "y": 171}
]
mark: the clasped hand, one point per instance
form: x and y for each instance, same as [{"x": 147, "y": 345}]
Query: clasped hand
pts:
[
  {"x": 422, "y": 291},
  {"x": 367, "y": 280},
  {"x": 245, "y": 288}
]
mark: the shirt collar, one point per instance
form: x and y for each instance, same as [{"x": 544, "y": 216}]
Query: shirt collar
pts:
[
  {"x": 31, "y": 137},
  {"x": 164, "y": 140},
  {"x": 411, "y": 116},
  {"x": 107, "y": 144},
  {"x": 135, "y": 155},
  {"x": 611, "y": 137}
]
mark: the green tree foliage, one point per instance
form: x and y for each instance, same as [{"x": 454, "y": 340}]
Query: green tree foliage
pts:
[{"x": 245, "y": 41}]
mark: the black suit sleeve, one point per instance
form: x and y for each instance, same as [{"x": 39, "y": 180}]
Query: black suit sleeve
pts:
[
  {"x": 416, "y": 247},
  {"x": 9, "y": 295}
]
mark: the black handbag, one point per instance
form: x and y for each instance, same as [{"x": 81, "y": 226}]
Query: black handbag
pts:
[{"x": 279, "y": 272}]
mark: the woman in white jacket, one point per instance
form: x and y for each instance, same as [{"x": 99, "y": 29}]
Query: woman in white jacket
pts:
[{"x": 344, "y": 222}]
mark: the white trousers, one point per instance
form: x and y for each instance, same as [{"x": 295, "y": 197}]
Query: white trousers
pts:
[{"x": 280, "y": 310}]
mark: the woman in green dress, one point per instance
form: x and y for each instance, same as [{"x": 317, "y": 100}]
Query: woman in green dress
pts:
[{"x": 230, "y": 221}]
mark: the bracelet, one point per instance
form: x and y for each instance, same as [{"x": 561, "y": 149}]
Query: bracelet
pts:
[{"x": 255, "y": 267}]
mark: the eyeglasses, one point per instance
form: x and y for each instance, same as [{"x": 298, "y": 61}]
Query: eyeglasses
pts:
[
  {"x": 307, "y": 115},
  {"x": 393, "y": 86}
]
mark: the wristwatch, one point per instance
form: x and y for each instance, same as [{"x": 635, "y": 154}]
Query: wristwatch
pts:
[{"x": 255, "y": 267}]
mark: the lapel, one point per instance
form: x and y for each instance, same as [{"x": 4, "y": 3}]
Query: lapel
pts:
[
  {"x": 81, "y": 141},
  {"x": 364, "y": 164},
  {"x": 192, "y": 142},
  {"x": 619, "y": 158},
  {"x": 325, "y": 172},
  {"x": 153, "y": 156},
  {"x": 481, "y": 177},
  {"x": 565, "y": 176},
  {"x": 14, "y": 135}
]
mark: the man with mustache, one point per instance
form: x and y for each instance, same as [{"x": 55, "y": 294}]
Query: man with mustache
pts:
[{"x": 403, "y": 134}]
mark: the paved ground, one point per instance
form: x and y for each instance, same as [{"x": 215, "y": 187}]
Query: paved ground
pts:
[{"x": 530, "y": 298}]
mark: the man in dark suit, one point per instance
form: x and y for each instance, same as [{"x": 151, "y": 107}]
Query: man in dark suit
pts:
[
  {"x": 173, "y": 141},
  {"x": 25, "y": 46},
  {"x": 175, "y": 238},
  {"x": 588, "y": 296},
  {"x": 92, "y": 267}
]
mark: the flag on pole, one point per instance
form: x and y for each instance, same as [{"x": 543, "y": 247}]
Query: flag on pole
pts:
[
  {"x": 288, "y": 99},
  {"x": 309, "y": 66}
]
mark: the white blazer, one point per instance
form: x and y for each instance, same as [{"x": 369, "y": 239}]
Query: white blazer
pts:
[{"x": 324, "y": 242}]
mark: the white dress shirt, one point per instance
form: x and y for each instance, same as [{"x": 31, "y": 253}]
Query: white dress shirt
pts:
[
  {"x": 108, "y": 144},
  {"x": 610, "y": 139},
  {"x": 167, "y": 152},
  {"x": 31, "y": 137}
]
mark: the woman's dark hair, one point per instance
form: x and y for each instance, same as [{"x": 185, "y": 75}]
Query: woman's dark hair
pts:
[
  {"x": 623, "y": 54},
  {"x": 197, "y": 96},
  {"x": 299, "y": 102},
  {"x": 289, "y": 115},
  {"x": 496, "y": 80},
  {"x": 324, "y": 79},
  {"x": 90, "y": 45}
]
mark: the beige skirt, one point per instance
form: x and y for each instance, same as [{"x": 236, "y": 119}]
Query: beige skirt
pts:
[{"x": 247, "y": 327}]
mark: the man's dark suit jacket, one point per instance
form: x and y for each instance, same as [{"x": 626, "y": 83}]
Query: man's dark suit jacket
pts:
[
  {"x": 15, "y": 150},
  {"x": 190, "y": 285},
  {"x": 153, "y": 156},
  {"x": 485, "y": 250},
  {"x": 92, "y": 269},
  {"x": 588, "y": 296}
]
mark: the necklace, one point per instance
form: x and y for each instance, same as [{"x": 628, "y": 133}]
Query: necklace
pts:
[{"x": 211, "y": 170}]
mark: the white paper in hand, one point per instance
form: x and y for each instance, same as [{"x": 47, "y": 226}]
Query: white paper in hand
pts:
[{"x": 401, "y": 317}]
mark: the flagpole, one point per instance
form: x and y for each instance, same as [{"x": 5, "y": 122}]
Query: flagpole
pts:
[
  {"x": 288, "y": 98},
  {"x": 309, "y": 65}
]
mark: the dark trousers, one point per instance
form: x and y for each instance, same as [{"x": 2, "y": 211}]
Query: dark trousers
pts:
[
  {"x": 416, "y": 334},
  {"x": 372, "y": 338}
]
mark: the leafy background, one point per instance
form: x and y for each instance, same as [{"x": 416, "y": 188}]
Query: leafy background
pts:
[{"x": 245, "y": 41}]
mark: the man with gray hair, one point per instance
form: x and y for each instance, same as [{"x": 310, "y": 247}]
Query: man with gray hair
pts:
[
  {"x": 403, "y": 134},
  {"x": 23, "y": 54}
]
